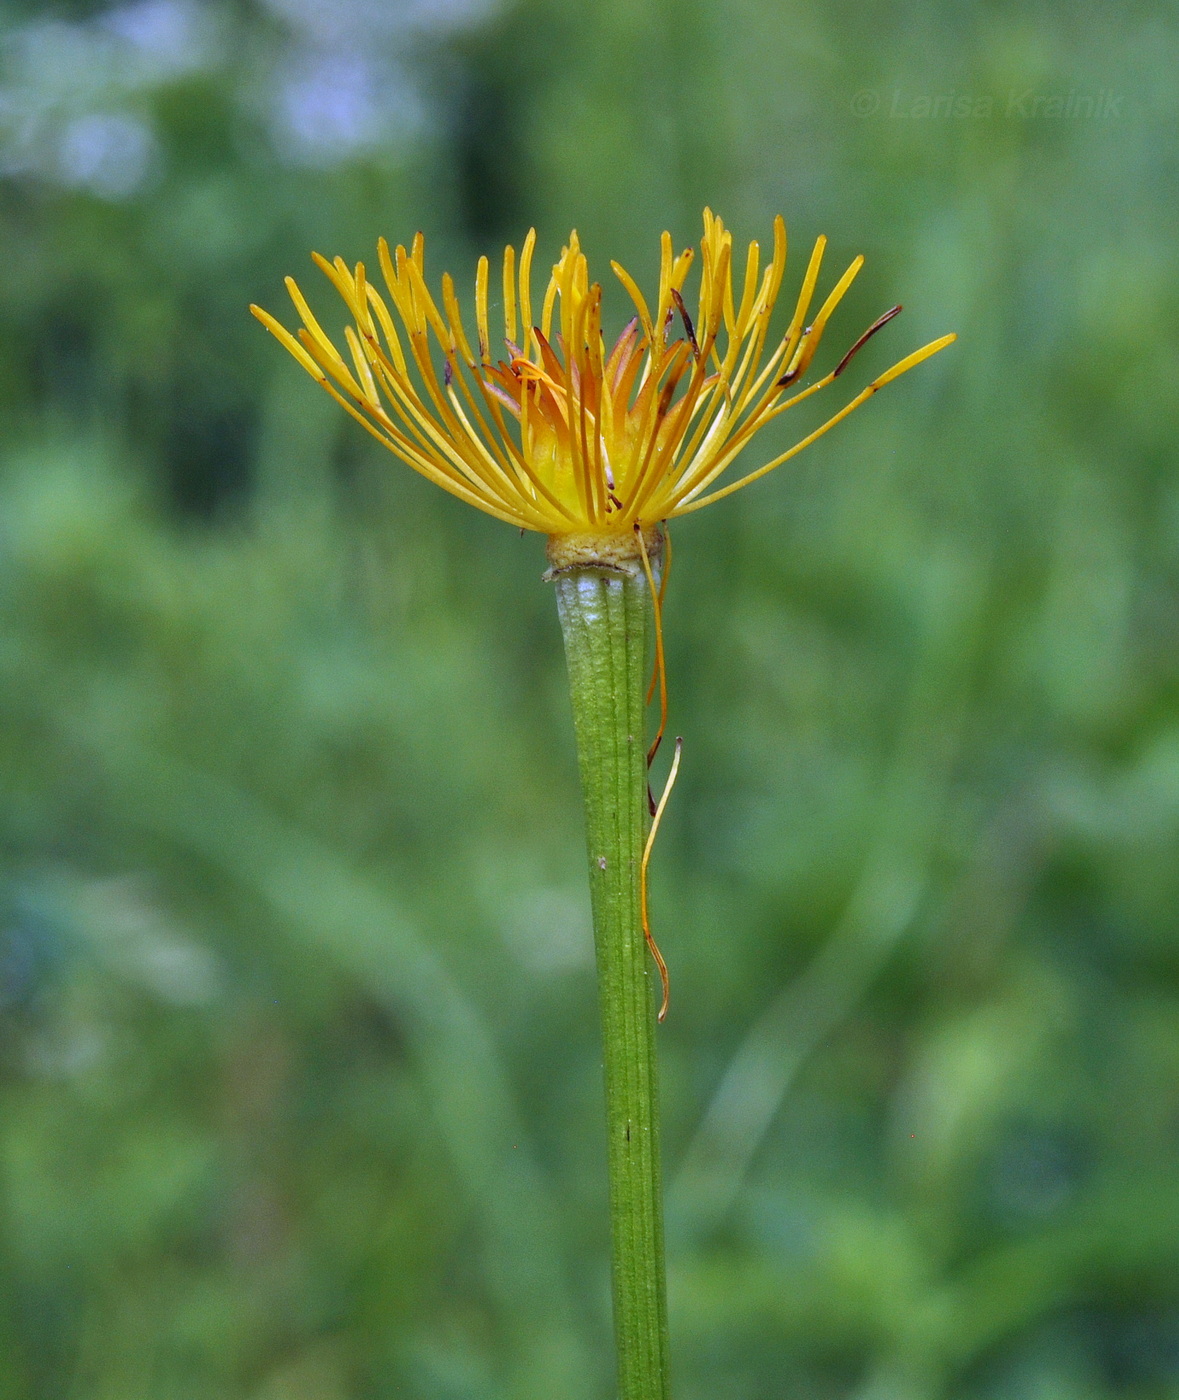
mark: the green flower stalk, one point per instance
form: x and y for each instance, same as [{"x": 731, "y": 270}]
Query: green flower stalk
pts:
[
  {"x": 594, "y": 446},
  {"x": 605, "y": 609}
]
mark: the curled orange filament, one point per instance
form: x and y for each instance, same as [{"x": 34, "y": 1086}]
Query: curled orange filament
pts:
[
  {"x": 659, "y": 673},
  {"x": 658, "y": 817}
]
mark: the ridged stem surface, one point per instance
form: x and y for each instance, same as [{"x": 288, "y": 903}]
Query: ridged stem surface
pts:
[{"x": 605, "y": 617}]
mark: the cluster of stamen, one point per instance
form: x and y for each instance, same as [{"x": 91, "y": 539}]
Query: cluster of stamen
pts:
[{"x": 562, "y": 435}]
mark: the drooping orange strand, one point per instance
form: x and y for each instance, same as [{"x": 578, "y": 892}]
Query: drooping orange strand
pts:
[
  {"x": 657, "y": 809},
  {"x": 662, "y": 593},
  {"x": 658, "y": 817},
  {"x": 660, "y": 665}
]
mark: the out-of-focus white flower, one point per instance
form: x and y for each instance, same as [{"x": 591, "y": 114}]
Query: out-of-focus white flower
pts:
[
  {"x": 328, "y": 106},
  {"x": 107, "y": 154},
  {"x": 173, "y": 36}
]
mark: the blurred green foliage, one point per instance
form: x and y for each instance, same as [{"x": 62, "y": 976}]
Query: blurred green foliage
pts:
[{"x": 299, "y": 1091}]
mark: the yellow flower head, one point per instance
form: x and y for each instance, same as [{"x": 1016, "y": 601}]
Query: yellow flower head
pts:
[{"x": 565, "y": 435}]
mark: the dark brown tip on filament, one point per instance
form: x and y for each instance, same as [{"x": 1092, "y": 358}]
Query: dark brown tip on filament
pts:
[
  {"x": 865, "y": 338},
  {"x": 687, "y": 320}
]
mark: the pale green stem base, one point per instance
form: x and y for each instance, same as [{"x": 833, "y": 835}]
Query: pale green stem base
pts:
[{"x": 605, "y": 617}]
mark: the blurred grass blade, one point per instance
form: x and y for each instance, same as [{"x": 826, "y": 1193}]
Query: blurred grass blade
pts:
[
  {"x": 327, "y": 906},
  {"x": 879, "y": 913}
]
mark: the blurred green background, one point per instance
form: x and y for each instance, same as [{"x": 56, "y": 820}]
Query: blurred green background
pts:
[{"x": 299, "y": 1073}]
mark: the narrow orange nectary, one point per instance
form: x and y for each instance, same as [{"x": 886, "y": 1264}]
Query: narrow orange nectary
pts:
[{"x": 564, "y": 435}]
